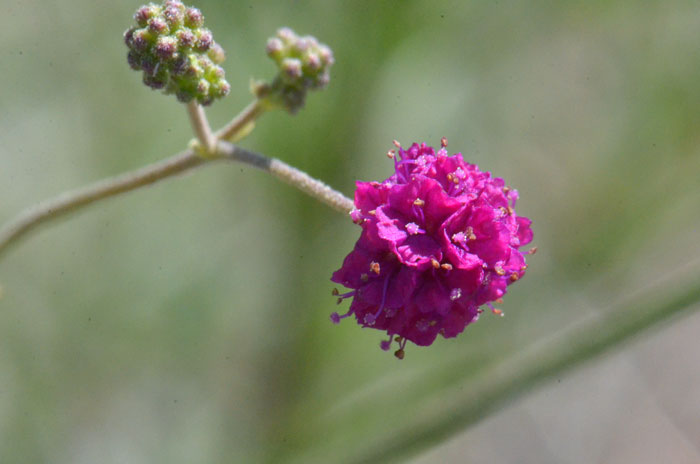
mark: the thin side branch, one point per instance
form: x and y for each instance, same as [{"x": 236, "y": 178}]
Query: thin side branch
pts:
[
  {"x": 70, "y": 201},
  {"x": 249, "y": 114},
  {"x": 200, "y": 126}
]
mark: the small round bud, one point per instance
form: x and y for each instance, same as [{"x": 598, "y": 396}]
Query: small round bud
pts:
[
  {"x": 216, "y": 53},
  {"x": 149, "y": 65},
  {"x": 292, "y": 67},
  {"x": 157, "y": 26},
  {"x": 166, "y": 47},
  {"x": 156, "y": 82},
  {"x": 140, "y": 40},
  {"x": 313, "y": 61},
  {"x": 134, "y": 60},
  {"x": 203, "y": 87},
  {"x": 173, "y": 16},
  {"x": 301, "y": 45},
  {"x": 222, "y": 89},
  {"x": 193, "y": 18},
  {"x": 274, "y": 48},
  {"x": 185, "y": 38},
  {"x": 175, "y": 4},
  {"x": 204, "y": 40},
  {"x": 129, "y": 36},
  {"x": 286, "y": 35},
  {"x": 145, "y": 13},
  {"x": 326, "y": 55}
]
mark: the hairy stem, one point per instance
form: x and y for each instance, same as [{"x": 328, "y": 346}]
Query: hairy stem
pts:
[
  {"x": 245, "y": 117},
  {"x": 200, "y": 126},
  {"x": 67, "y": 202}
]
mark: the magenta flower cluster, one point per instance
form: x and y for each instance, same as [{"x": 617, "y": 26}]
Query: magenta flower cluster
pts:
[{"x": 440, "y": 239}]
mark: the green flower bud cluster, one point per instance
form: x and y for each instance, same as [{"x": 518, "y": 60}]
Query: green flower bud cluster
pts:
[
  {"x": 304, "y": 64},
  {"x": 176, "y": 53}
]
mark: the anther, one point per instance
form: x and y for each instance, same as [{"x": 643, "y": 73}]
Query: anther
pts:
[
  {"x": 335, "y": 292},
  {"x": 497, "y": 312},
  {"x": 469, "y": 232},
  {"x": 418, "y": 202},
  {"x": 532, "y": 251},
  {"x": 435, "y": 263},
  {"x": 443, "y": 142},
  {"x": 400, "y": 353},
  {"x": 499, "y": 270},
  {"x": 396, "y": 144},
  {"x": 374, "y": 267},
  {"x": 514, "y": 277},
  {"x": 373, "y": 212},
  {"x": 446, "y": 266}
]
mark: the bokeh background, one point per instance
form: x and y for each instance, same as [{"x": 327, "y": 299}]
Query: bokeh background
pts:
[{"x": 188, "y": 322}]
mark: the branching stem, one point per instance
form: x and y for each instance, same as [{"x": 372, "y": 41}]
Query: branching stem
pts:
[{"x": 73, "y": 200}]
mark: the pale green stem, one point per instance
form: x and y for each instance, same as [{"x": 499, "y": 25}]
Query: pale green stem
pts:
[
  {"x": 243, "y": 119},
  {"x": 70, "y": 201},
  {"x": 200, "y": 126}
]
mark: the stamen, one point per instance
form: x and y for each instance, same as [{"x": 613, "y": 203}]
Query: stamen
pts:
[
  {"x": 418, "y": 202},
  {"x": 335, "y": 292},
  {"x": 396, "y": 144},
  {"x": 336, "y": 318},
  {"x": 531, "y": 251},
  {"x": 400, "y": 353},
  {"x": 469, "y": 232},
  {"x": 435, "y": 263},
  {"x": 496, "y": 311},
  {"x": 413, "y": 229},
  {"x": 374, "y": 267},
  {"x": 370, "y": 318},
  {"x": 446, "y": 266},
  {"x": 443, "y": 142},
  {"x": 386, "y": 344},
  {"x": 391, "y": 154},
  {"x": 514, "y": 276},
  {"x": 455, "y": 294}
]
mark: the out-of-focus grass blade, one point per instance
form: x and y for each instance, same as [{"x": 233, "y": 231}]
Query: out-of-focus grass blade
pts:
[{"x": 450, "y": 410}]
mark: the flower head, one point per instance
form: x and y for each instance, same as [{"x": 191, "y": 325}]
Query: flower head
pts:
[
  {"x": 176, "y": 53},
  {"x": 304, "y": 64},
  {"x": 440, "y": 238}
]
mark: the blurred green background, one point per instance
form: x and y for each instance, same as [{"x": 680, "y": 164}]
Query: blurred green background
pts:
[{"x": 188, "y": 322}]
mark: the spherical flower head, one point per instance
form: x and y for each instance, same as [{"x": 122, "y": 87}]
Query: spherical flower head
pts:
[
  {"x": 176, "y": 53},
  {"x": 440, "y": 239},
  {"x": 303, "y": 64}
]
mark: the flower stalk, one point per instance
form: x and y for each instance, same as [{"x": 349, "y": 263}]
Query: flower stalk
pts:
[{"x": 67, "y": 202}]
